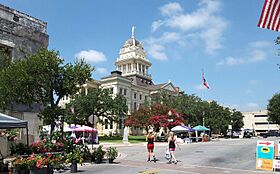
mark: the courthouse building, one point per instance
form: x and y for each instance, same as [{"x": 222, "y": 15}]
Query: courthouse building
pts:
[{"x": 131, "y": 79}]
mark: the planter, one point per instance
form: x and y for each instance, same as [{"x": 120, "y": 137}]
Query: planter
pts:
[
  {"x": 74, "y": 167},
  {"x": 36, "y": 170},
  {"x": 98, "y": 161},
  {"x": 44, "y": 170},
  {"x": 16, "y": 171}
]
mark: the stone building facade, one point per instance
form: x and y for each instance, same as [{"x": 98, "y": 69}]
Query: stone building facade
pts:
[{"x": 20, "y": 33}]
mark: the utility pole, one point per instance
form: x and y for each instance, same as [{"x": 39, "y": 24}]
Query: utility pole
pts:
[{"x": 203, "y": 118}]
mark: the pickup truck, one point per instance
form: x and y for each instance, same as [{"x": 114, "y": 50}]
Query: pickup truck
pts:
[{"x": 270, "y": 133}]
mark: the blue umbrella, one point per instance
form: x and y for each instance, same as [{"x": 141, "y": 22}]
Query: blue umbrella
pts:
[{"x": 201, "y": 128}]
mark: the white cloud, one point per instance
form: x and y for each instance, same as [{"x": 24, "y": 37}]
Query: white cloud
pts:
[
  {"x": 204, "y": 24},
  {"x": 261, "y": 44},
  {"x": 170, "y": 9},
  {"x": 156, "y": 46},
  {"x": 231, "y": 61},
  {"x": 256, "y": 56},
  {"x": 102, "y": 70},
  {"x": 257, "y": 52},
  {"x": 91, "y": 56},
  {"x": 156, "y": 25},
  {"x": 157, "y": 52}
]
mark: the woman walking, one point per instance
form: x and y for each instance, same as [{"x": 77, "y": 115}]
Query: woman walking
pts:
[
  {"x": 150, "y": 138},
  {"x": 172, "y": 147}
]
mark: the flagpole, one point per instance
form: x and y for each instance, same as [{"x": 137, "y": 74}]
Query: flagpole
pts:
[{"x": 203, "y": 96}]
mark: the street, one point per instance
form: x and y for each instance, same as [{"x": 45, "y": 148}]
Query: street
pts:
[{"x": 219, "y": 156}]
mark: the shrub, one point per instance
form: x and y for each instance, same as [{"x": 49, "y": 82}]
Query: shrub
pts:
[
  {"x": 99, "y": 154},
  {"x": 112, "y": 153}
]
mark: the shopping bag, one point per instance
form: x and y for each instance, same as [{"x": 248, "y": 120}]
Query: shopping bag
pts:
[{"x": 167, "y": 154}]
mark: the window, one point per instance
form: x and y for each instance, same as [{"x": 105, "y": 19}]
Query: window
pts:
[
  {"x": 111, "y": 124},
  {"x": 106, "y": 123},
  {"x": 124, "y": 68},
  {"x": 16, "y": 18},
  {"x": 135, "y": 95},
  {"x": 262, "y": 123},
  {"x": 111, "y": 90},
  {"x": 121, "y": 90},
  {"x": 260, "y": 115},
  {"x": 140, "y": 96},
  {"x": 120, "y": 123},
  {"x": 129, "y": 67},
  {"x": 135, "y": 106},
  {"x": 124, "y": 91}
]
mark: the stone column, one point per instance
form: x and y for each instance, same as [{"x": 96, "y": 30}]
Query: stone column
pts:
[{"x": 86, "y": 90}]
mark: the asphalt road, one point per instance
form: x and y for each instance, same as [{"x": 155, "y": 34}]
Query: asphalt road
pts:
[{"x": 221, "y": 156}]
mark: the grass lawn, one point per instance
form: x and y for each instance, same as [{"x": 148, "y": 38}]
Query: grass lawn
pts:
[{"x": 118, "y": 139}]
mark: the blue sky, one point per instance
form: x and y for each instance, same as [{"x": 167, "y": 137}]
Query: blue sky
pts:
[{"x": 180, "y": 37}]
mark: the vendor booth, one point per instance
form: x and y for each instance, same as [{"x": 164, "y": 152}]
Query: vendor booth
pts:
[{"x": 8, "y": 122}]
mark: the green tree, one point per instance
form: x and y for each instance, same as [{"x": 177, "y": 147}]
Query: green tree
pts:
[
  {"x": 236, "y": 120},
  {"x": 195, "y": 111},
  {"x": 5, "y": 59},
  {"x": 99, "y": 103},
  {"x": 42, "y": 78},
  {"x": 273, "y": 108}
]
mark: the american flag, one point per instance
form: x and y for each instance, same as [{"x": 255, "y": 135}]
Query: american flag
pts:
[
  {"x": 270, "y": 15},
  {"x": 204, "y": 81}
]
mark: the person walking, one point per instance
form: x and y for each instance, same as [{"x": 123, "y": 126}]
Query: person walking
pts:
[
  {"x": 150, "y": 138},
  {"x": 172, "y": 146}
]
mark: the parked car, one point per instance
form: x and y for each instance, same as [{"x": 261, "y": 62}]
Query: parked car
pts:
[
  {"x": 270, "y": 133},
  {"x": 233, "y": 134},
  {"x": 248, "y": 133}
]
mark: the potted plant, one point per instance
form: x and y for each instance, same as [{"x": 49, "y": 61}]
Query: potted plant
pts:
[
  {"x": 74, "y": 157},
  {"x": 93, "y": 155},
  {"x": 38, "y": 164},
  {"x": 99, "y": 154},
  {"x": 56, "y": 162},
  {"x": 112, "y": 154},
  {"x": 20, "y": 166}
]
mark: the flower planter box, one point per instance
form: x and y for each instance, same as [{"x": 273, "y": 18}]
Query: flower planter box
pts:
[
  {"x": 16, "y": 171},
  {"x": 44, "y": 170}
]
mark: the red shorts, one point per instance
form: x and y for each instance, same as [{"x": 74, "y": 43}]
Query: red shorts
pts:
[{"x": 150, "y": 146}]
